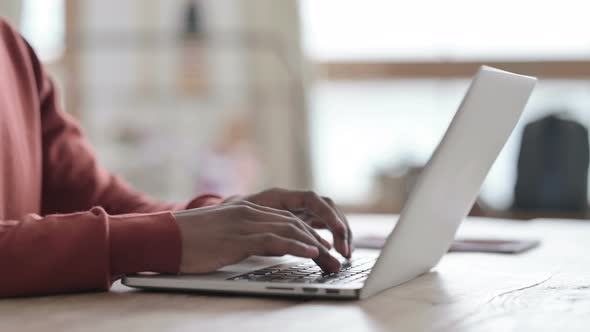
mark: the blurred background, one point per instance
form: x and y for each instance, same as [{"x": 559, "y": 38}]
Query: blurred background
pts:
[{"x": 348, "y": 98}]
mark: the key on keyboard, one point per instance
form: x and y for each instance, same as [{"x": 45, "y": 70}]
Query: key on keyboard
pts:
[{"x": 355, "y": 270}]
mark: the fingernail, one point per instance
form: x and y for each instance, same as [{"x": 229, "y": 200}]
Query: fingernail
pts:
[{"x": 344, "y": 245}]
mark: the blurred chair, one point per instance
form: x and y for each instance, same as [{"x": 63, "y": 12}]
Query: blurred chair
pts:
[{"x": 552, "y": 174}]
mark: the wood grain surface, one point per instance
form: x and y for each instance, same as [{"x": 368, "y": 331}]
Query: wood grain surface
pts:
[{"x": 545, "y": 289}]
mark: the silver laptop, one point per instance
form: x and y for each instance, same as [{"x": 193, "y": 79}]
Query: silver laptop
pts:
[{"x": 440, "y": 200}]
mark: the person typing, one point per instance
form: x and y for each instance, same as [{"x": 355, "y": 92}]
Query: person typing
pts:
[{"x": 68, "y": 225}]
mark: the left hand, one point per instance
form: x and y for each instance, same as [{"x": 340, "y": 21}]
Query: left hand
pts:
[{"x": 317, "y": 211}]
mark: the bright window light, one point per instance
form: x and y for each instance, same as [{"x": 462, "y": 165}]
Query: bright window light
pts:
[
  {"x": 445, "y": 30},
  {"x": 361, "y": 127},
  {"x": 43, "y": 25}
]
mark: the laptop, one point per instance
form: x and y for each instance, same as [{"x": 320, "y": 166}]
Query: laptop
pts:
[{"x": 439, "y": 201}]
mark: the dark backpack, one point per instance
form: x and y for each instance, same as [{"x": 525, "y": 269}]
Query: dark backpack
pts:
[{"x": 552, "y": 167}]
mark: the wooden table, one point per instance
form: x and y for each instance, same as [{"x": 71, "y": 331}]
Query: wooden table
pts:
[{"x": 546, "y": 289}]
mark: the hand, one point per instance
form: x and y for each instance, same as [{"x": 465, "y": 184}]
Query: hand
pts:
[
  {"x": 216, "y": 236},
  {"x": 319, "y": 212}
]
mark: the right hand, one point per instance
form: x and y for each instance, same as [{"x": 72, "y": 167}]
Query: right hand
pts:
[{"x": 216, "y": 236}]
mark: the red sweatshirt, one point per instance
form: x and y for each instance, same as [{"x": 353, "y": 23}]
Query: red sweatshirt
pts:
[{"x": 66, "y": 224}]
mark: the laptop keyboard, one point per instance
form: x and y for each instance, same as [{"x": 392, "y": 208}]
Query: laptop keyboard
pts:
[{"x": 354, "y": 270}]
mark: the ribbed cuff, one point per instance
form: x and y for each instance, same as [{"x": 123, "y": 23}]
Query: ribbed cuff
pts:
[{"x": 144, "y": 242}]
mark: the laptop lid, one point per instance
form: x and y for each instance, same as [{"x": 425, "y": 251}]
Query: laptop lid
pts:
[{"x": 451, "y": 180}]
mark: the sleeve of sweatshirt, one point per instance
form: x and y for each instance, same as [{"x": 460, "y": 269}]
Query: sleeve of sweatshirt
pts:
[
  {"x": 93, "y": 227},
  {"x": 83, "y": 251}
]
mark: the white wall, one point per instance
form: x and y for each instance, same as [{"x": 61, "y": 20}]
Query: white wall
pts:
[{"x": 131, "y": 90}]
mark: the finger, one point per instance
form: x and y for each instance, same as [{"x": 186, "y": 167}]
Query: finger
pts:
[
  {"x": 299, "y": 201},
  {"x": 290, "y": 218},
  {"x": 303, "y": 214},
  {"x": 283, "y": 229},
  {"x": 343, "y": 218},
  {"x": 310, "y": 229},
  {"x": 325, "y": 260},
  {"x": 312, "y": 223},
  {"x": 316, "y": 205},
  {"x": 268, "y": 244},
  {"x": 317, "y": 222}
]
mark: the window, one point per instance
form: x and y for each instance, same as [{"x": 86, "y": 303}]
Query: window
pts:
[
  {"x": 446, "y": 30},
  {"x": 402, "y": 68},
  {"x": 43, "y": 25}
]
